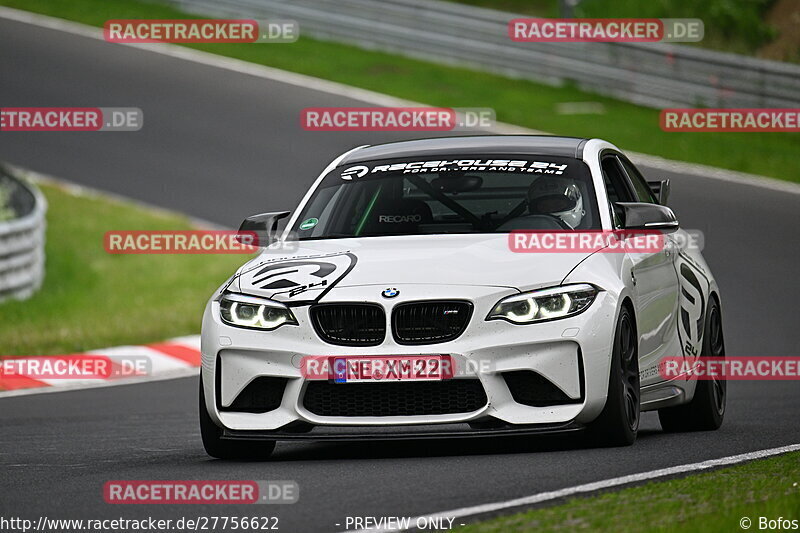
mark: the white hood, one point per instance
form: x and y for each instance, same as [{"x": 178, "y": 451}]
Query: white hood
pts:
[{"x": 315, "y": 267}]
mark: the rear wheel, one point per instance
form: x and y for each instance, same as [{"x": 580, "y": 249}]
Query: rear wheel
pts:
[
  {"x": 707, "y": 409},
  {"x": 618, "y": 424},
  {"x": 220, "y": 448}
]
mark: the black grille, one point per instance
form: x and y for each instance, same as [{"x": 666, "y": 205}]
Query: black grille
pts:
[
  {"x": 351, "y": 324},
  {"x": 530, "y": 388},
  {"x": 263, "y": 394},
  {"x": 430, "y": 322},
  {"x": 401, "y": 398}
]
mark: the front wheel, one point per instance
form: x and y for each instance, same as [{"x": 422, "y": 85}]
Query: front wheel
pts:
[
  {"x": 220, "y": 448},
  {"x": 707, "y": 409},
  {"x": 618, "y": 424}
]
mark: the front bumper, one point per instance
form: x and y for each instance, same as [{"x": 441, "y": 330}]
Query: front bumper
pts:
[
  {"x": 421, "y": 432},
  {"x": 572, "y": 354}
]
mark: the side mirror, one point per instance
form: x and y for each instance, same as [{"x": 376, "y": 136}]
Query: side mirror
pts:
[
  {"x": 265, "y": 227},
  {"x": 661, "y": 189},
  {"x": 641, "y": 216}
]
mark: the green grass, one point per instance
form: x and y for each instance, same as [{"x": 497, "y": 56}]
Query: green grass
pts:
[
  {"x": 91, "y": 299},
  {"x": 516, "y": 101},
  {"x": 711, "y": 502},
  {"x": 731, "y": 25}
]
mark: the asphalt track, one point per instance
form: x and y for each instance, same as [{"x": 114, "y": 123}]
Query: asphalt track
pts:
[{"x": 220, "y": 145}]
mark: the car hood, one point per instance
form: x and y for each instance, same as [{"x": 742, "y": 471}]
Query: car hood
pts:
[{"x": 312, "y": 268}]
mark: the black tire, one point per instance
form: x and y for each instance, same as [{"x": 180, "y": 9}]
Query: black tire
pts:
[
  {"x": 707, "y": 409},
  {"x": 217, "y": 447},
  {"x": 618, "y": 424}
]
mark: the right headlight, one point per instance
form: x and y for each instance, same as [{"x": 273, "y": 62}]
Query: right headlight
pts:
[
  {"x": 544, "y": 304},
  {"x": 252, "y": 312}
]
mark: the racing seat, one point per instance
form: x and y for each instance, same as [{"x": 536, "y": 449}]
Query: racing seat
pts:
[{"x": 397, "y": 216}]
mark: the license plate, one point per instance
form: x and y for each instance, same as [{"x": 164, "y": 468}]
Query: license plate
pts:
[{"x": 391, "y": 368}]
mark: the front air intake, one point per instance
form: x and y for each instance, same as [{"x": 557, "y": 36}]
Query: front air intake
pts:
[
  {"x": 349, "y": 324},
  {"x": 430, "y": 322},
  {"x": 394, "y": 398}
]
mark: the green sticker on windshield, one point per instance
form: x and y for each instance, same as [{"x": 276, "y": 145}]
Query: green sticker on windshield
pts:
[{"x": 310, "y": 223}]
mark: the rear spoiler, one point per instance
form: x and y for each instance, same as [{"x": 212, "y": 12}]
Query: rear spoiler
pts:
[{"x": 661, "y": 189}]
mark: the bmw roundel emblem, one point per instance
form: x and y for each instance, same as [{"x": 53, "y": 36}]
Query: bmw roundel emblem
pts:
[{"x": 390, "y": 293}]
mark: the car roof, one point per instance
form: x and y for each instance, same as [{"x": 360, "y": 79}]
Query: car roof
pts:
[{"x": 472, "y": 145}]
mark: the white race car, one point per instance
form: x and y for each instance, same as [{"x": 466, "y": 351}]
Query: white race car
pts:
[{"x": 395, "y": 304}]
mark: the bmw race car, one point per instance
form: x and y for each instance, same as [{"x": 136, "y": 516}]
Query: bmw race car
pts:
[{"x": 393, "y": 304}]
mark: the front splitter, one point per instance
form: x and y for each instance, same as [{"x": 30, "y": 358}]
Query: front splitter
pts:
[{"x": 369, "y": 433}]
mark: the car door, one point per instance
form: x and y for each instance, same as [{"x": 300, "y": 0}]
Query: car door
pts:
[
  {"x": 654, "y": 280},
  {"x": 692, "y": 279}
]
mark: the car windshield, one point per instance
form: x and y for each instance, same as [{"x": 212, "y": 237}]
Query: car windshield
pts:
[{"x": 447, "y": 196}]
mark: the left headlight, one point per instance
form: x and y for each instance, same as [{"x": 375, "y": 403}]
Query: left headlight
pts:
[
  {"x": 256, "y": 313},
  {"x": 544, "y": 304}
]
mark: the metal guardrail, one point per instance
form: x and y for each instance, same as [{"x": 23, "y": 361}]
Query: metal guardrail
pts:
[
  {"x": 22, "y": 241},
  {"x": 651, "y": 74}
]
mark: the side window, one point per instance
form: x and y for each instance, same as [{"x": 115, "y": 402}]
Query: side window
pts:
[
  {"x": 614, "y": 178},
  {"x": 616, "y": 187},
  {"x": 640, "y": 186}
]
